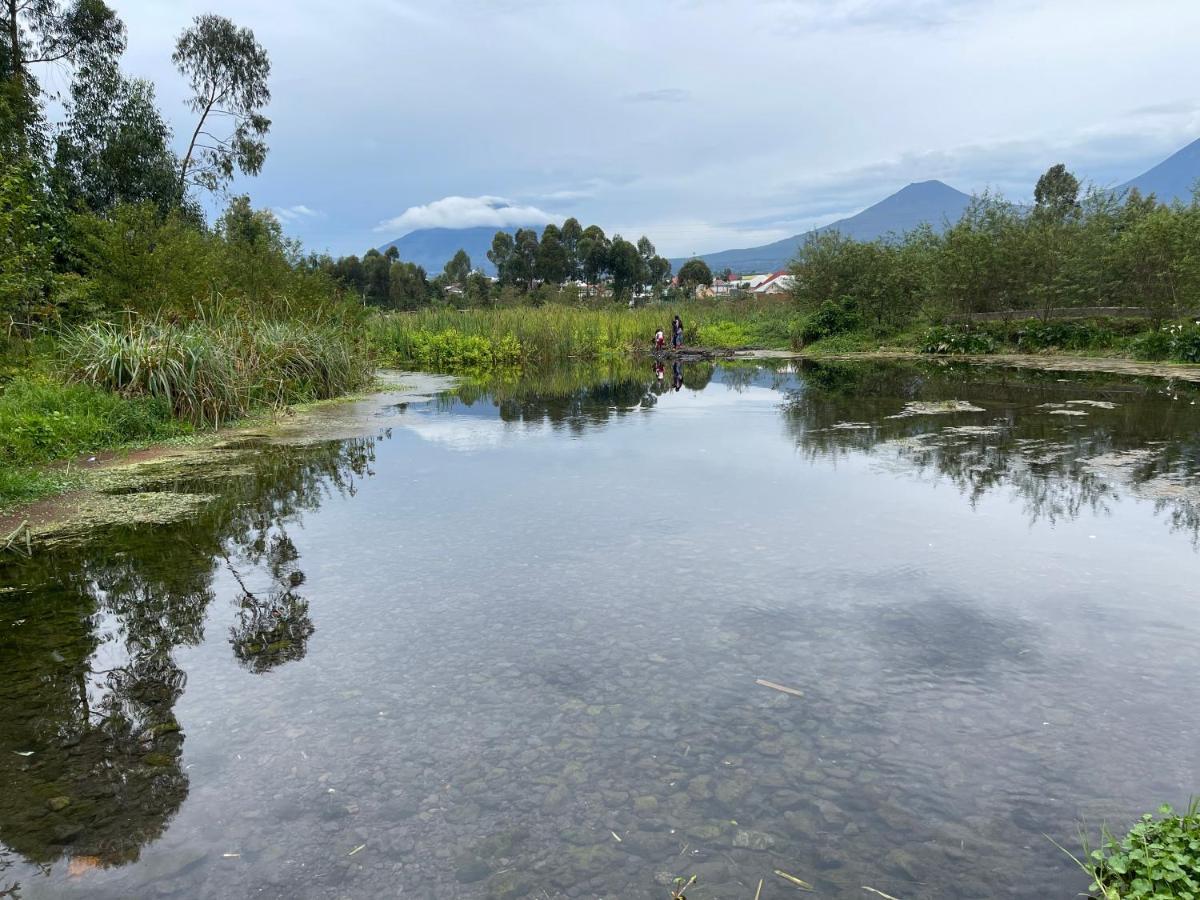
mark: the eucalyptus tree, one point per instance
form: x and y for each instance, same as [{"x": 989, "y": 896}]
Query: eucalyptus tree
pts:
[
  {"x": 593, "y": 254},
  {"x": 227, "y": 71},
  {"x": 694, "y": 273},
  {"x": 501, "y": 256},
  {"x": 626, "y": 266},
  {"x": 570, "y": 235},
  {"x": 458, "y": 268},
  {"x": 553, "y": 260},
  {"x": 40, "y": 32}
]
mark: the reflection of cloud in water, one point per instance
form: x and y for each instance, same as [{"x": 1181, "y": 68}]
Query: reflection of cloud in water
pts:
[{"x": 469, "y": 434}]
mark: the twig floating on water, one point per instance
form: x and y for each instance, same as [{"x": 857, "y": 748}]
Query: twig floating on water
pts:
[
  {"x": 880, "y": 893},
  {"x": 798, "y": 882},
  {"x": 615, "y": 835},
  {"x": 779, "y": 687},
  {"x": 356, "y": 849},
  {"x": 758, "y": 893}
]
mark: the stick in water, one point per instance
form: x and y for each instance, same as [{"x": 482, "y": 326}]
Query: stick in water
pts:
[{"x": 778, "y": 687}]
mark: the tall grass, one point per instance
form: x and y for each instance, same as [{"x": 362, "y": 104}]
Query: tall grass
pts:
[
  {"x": 209, "y": 371},
  {"x": 455, "y": 340}
]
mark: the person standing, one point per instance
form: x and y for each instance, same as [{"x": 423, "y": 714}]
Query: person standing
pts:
[{"x": 676, "y": 332}]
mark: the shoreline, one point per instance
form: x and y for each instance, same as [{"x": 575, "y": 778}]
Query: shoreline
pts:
[{"x": 116, "y": 487}]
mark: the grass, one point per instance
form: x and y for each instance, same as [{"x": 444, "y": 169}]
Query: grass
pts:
[
  {"x": 455, "y": 341},
  {"x": 209, "y": 373},
  {"x": 102, "y": 386}
]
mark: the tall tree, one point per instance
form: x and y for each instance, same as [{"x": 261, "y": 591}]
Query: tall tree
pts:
[
  {"x": 553, "y": 264},
  {"x": 625, "y": 265},
  {"x": 1057, "y": 191},
  {"x": 114, "y": 147},
  {"x": 524, "y": 258},
  {"x": 227, "y": 71},
  {"x": 407, "y": 285},
  {"x": 501, "y": 256},
  {"x": 593, "y": 254},
  {"x": 46, "y": 31},
  {"x": 570, "y": 236},
  {"x": 458, "y": 268},
  {"x": 376, "y": 278}
]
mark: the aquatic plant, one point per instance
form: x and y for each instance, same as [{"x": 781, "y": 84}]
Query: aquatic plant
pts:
[
  {"x": 1159, "y": 859},
  {"x": 209, "y": 372}
]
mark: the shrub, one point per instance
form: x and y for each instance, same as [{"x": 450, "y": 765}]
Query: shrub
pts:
[
  {"x": 1151, "y": 345},
  {"x": 957, "y": 339},
  {"x": 830, "y": 319},
  {"x": 1062, "y": 336},
  {"x": 1158, "y": 860},
  {"x": 1176, "y": 341}
]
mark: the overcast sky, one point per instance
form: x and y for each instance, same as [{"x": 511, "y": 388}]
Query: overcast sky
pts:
[{"x": 705, "y": 124}]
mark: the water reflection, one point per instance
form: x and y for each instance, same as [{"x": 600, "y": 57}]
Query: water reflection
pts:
[
  {"x": 90, "y": 746},
  {"x": 1062, "y": 445}
]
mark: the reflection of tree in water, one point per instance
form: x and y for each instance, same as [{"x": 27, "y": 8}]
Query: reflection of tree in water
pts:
[
  {"x": 273, "y": 627},
  {"x": 90, "y": 747},
  {"x": 1059, "y": 465}
]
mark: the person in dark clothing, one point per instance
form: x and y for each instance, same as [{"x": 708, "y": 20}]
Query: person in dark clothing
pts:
[{"x": 677, "y": 332}]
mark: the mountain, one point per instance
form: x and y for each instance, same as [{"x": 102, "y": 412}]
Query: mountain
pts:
[
  {"x": 925, "y": 201},
  {"x": 432, "y": 248},
  {"x": 1171, "y": 179}
]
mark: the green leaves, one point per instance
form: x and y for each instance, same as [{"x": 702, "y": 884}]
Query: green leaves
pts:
[{"x": 1158, "y": 860}]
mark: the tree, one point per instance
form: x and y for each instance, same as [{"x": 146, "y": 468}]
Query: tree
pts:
[
  {"x": 458, "y": 268},
  {"x": 407, "y": 285},
  {"x": 501, "y": 256},
  {"x": 570, "y": 236},
  {"x": 523, "y": 265},
  {"x": 227, "y": 71},
  {"x": 115, "y": 146},
  {"x": 553, "y": 262},
  {"x": 392, "y": 252},
  {"x": 694, "y": 273},
  {"x": 1057, "y": 192},
  {"x": 593, "y": 254},
  {"x": 655, "y": 269},
  {"x": 376, "y": 278},
  {"x": 36, "y": 32},
  {"x": 626, "y": 266}
]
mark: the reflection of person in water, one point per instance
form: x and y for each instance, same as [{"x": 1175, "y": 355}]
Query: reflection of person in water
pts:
[
  {"x": 676, "y": 332},
  {"x": 677, "y": 375},
  {"x": 659, "y": 370}
]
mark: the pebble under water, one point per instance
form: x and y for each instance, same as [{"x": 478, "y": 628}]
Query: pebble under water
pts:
[{"x": 514, "y": 644}]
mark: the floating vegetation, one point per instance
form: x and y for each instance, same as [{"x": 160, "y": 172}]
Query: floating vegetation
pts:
[{"x": 936, "y": 408}]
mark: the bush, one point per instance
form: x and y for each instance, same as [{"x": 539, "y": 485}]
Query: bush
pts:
[
  {"x": 957, "y": 339},
  {"x": 1175, "y": 341},
  {"x": 1153, "y": 345},
  {"x": 830, "y": 319},
  {"x": 1158, "y": 860},
  {"x": 1062, "y": 336}
]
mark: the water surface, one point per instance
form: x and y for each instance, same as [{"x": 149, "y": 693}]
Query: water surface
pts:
[{"x": 508, "y": 646}]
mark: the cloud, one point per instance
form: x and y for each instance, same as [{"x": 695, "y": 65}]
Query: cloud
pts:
[
  {"x": 660, "y": 95},
  {"x": 465, "y": 212},
  {"x": 290, "y": 215}
]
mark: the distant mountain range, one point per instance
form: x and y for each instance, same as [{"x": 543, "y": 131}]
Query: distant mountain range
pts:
[
  {"x": 932, "y": 202},
  {"x": 926, "y": 201},
  {"x": 1171, "y": 179}
]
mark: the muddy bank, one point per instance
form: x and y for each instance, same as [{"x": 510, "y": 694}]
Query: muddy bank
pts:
[{"x": 135, "y": 487}]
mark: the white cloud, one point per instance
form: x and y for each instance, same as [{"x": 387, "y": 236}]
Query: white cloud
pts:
[
  {"x": 290, "y": 215},
  {"x": 465, "y": 212}
]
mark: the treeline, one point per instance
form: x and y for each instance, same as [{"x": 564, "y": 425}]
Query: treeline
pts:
[
  {"x": 531, "y": 268},
  {"x": 98, "y": 214},
  {"x": 1065, "y": 250}
]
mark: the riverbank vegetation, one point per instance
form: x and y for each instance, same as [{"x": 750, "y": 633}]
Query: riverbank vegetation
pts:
[
  {"x": 1158, "y": 858},
  {"x": 1097, "y": 272}
]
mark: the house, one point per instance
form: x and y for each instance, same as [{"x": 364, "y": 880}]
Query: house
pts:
[{"x": 775, "y": 283}]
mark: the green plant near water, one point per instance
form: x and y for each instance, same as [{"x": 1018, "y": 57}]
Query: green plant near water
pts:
[
  {"x": 958, "y": 339},
  {"x": 209, "y": 372},
  {"x": 1159, "y": 859},
  {"x": 724, "y": 334}
]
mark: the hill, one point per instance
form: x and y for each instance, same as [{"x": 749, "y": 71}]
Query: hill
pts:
[
  {"x": 926, "y": 201},
  {"x": 432, "y": 248},
  {"x": 1171, "y": 179}
]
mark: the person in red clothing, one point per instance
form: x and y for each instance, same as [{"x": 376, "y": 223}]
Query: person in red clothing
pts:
[{"x": 660, "y": 340}]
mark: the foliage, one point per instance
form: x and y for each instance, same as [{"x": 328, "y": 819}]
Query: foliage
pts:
[
  {"x": 694, "y": 273},
  {"x": 209, "y": 372},
  {"x": 42, "y": 419},
  {"x": 723, "y": 334},
  {"x": 832, "y": 317},
  {"x": 957, "y": 339},
  {"x": 1062, "y": 335},
  {"x": 226, "y": 69},
  {"x": 1159, "y": 859},
  {"x": 25, "y": 243}
]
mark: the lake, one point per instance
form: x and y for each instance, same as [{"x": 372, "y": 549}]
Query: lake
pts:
[{"x": 510, "y": 642}]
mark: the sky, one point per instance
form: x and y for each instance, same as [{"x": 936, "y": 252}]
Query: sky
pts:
[{"x": 704, "y": 124}]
